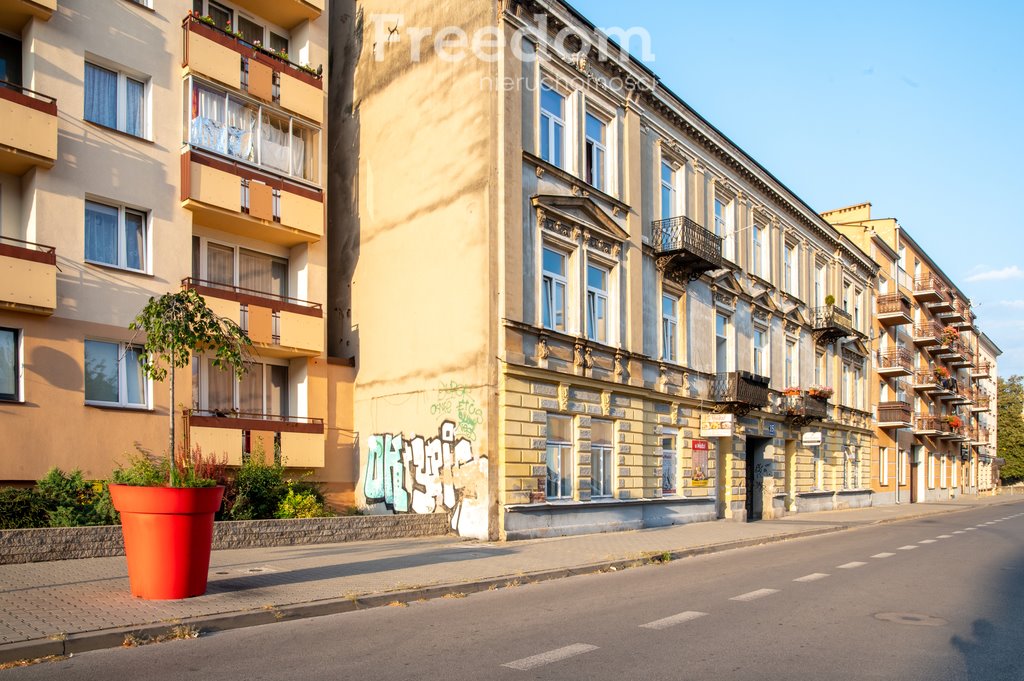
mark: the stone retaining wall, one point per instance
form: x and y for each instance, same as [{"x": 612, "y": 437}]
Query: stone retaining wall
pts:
[{"x": 64, "y": 543}]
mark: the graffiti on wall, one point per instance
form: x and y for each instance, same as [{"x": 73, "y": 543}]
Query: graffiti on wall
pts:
[
  {"x": 454, "y": 397},
  {"x": 414, "y": 475}
]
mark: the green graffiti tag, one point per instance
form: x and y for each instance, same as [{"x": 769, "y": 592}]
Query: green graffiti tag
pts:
[{"x": 468, "y": 415}]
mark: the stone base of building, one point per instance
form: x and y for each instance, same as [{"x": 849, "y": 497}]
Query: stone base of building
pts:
[
  {"x": 532, "y": 521},
  {"x": 833, "y": 500}
]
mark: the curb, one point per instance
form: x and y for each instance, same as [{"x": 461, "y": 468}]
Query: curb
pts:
[{"x": 114, "y": 638}]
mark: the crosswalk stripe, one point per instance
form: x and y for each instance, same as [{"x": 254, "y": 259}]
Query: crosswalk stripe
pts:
[{"x": 555, "y": 655}]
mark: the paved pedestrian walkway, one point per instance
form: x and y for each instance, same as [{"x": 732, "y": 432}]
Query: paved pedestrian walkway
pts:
[{"x": 70, "y": 606}]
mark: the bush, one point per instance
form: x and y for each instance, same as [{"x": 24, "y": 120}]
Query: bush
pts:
[
  {"x": 71, "y": 501},
  {"x": 22, "y": 508},
  {"x": 301, "y": 503},
  {"x": 258, "y": 489}
]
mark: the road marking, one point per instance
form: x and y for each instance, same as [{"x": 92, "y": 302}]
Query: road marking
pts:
[
  {"x": 968, "y": 529},
  {"x": 667, "y": 622},
  {"x": 883, "y": 555},
  {"x": 813, "y": 577},
  {"x": 958, "y": 531},
  {"x": 945, "y": 536},
  {"x": 908, "y": 547},
  {"x": 926, "y": 541},
  {"x": 850, "y": 566},
  {"x": 754, "y": 595},
  {"x": 551, "y": 656}
]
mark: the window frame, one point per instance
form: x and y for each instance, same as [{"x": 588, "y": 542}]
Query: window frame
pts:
[
  {"x": 555, "y": 123},
  {"x": 201, "y": 385},
  {"x": 883, "y": 466},
  {"x": 564, "y": 449},
  {"x": 597, "y": 157},
  {"x": 556, "y": 280},
  {"x": 792, "y": 367},
  {"x": 121, "y": 97},
  {"x": 121, "y": 243},
  {"x": 757, "y": 250},
  {"x": 17, "y": 366},
  {"x": 593, "y": 297},
  {"x": 605, "y": 453},
  {"x": 236, "y": 254},
  {"x": 669, "y": 461},
  {"x": 791, "y": 268},
  {"x": 724, "y": 341},
  {"x": 669, "y": 208},
  {"x": 761, "y": 355},
  {"x": 146, "y": 388},
  {"x": 670, "y": 327}
]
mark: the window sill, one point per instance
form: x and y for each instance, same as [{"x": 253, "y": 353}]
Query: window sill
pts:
[
  {"x": 118, "y": 407},
  {"x": 118, "y": 268},
  {"x": 122, "y": 133},
  {"x": 141, "y": 5},
  {"x": 11, "y": 400}
]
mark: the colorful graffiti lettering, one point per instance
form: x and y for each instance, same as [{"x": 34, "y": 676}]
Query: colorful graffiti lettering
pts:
[
  {"x": 468, "y": 414},
  {"x": 426, "y": 476}
]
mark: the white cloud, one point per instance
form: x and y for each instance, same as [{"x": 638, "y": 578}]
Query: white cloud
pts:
[
  {"x": 1011, "y": 272},
  {"x": 1019, "y": 304}
]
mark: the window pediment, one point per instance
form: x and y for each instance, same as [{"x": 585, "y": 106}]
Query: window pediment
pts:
[{"x": 580, "y": 212}]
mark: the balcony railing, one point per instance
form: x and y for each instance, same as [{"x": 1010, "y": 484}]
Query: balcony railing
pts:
[
  {"x": 684, "y": 248},
  {"x": 929, "y": 288},
  {"x": 895, "y": 414},
  {"x": 936, "y": 425},
  {"x": 803, "y": 409},
  {"x": 28, "y": 276},
  {"x": 895, "y": 361},
  {"x": 831, "y": 323},
  {"x": 980, "y": 400},
  {"x": 739, "y": 391},
  {"x": 894, "y": 308},
  {"x": 299, "y": 440},
  {"x": 982, "y": 368},
  {"x": 926, "y": 379},
  {"x": 28, "y": 136},
  {"x": 927, "y": 333}
]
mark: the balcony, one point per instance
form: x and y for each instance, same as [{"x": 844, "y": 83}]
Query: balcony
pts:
[
  {"x": 893, "y": 309},
  {"x": 943, "y": 305},
  {"x": 233, "y": 197},
  {"x": 231, "y": 61},
  {"x": 28, "y": 276},
  {"x": 803, "y": 409},
  {"x": 953, "y": 352},
  {"x": 927, "y": 334},
  {"x": 981, "y": 369},
  {"x": 926, "y": 380},
  {"x": 832, "y": 323},
  {"x": 895, "y": 362},
  {"x": 300, "y": 440},
  {"x": 929, "y": 289},
  {"x": 895, "y": 415},
  {"x": 278, "y": 326},
  {"x": 284, "y": 13},
  {"x": 14, "y": 14},
  {"x": 739, "y": 392},
  {"x": 28, "y": 136},
  {"x": 931, "y": 426},
  {"x": 979, "y": 436},
  {"x": 980, "y": 401},
  {"x": 684, "y": 250}
]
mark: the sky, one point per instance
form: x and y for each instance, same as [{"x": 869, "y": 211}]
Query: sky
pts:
[{"x": 915, "y": 107}]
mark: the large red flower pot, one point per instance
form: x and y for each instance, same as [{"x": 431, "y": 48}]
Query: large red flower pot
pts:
[{"x": 168, "y": 533}]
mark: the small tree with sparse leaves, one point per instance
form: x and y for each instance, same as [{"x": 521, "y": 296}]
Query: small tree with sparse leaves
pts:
[{"x": 178, "y": 326}]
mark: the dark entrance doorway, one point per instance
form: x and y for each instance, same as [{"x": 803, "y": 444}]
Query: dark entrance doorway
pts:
[{"x": 758, "y": 468}]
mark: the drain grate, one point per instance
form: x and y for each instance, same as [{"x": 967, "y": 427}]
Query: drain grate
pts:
[{"x": 912, "y": 618}]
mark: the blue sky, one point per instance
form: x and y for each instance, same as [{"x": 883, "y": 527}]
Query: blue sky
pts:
[{"x": 913, "y": 106}]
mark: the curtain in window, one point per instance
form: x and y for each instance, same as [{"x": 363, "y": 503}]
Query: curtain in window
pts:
[
  {"x": 101, "y": 371},
  {"x": 262, "y": 273},
  {"x": 241, "y": 133},
  {"x": 220, "y": 265},
  {"x": 208, "y": 119},
  {"x": 100, "y": 233},
  {"x": 220, "y": 385},
  {"x": 250, "y": 394},
  {"x": 135, "y": 239},
  {"x": 302, "y": 138},
  {"x": 8, "y": 363},
  {"x": 134, "y": 106},
  {"x": 277, "y": 390},
  {"x": 100, "y": 96},
  {"x": 135, "y": 382},
  {"x": 274, "y": 143}
]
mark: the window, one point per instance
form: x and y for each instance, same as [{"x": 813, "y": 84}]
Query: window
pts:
[
  {"x": 668, "y": 462},
  {"x": 790, "y": 269},
  {"x": 668, "y": 191},
  {"x": 719, "y": 218},
  {"x": 559, "y": 457},
  {"x": 931, "y": 470},
  {"x": 820, "y": 368},
  {"x": 113, "y": 375},
  {"x": 115, "y": 100},
  {"x": 943, "y": 464},
  {"x": 721, "y": 343},
  {"x": 597, "y": 303},
  {"x": 723, "y": 228},
  {"x": 552, "y": 126},
  {"x": 792, "y": 363},
  {"x": 220, "y": 14},
  {"x": 952, "y": 470},
  {"x": 10, "y": 364},
  {"x": 857, "y": 297},
  {"x": 761, "y": 352},
  {"x": 231, "y": 266},
  {"x": 820, "y": 284},
  {"x": 858, "y": 386},
  {"x": 601, "y": 459},
  {"x": 883, "y": 465},
  {"x": 262, "y": 391},
  {"x": 597, "y": 152},
  {"x": 246, "y": 131},
  {"x": 758, "y": 253},
  {"x": 669, "y": 327},
  {"x": 10, "y": 59},
  {"x": 116, "y": 236},
  {"x": 553, "y": 287}
]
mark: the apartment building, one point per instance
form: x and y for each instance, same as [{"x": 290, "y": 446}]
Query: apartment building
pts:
[
  {"x": 590, "y": 310},
  {"x": 184, "y": 148},
  {"x": 986, "y": 374},
  {"x": 931, "y": 401}
]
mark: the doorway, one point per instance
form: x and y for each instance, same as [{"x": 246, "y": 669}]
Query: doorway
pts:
[{"x": 757, "y": 469}]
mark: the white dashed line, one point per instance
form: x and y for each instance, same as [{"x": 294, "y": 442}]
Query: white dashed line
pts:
[
  {"x": 958, "y": 531},
  {"x": 883, "y": 555},
  {"x": 667, "y": 622},
  {"x": 551, "y": 656},
  {"x": 926, "y": 541},
  {"x": 813, "y": 577},
  {"x": 851, "y": 565},
  {"x": 908, "y": 547},
  {"x": 754, "y": 595},
  {"x": 968, "y": 529},
  {"x": 945, "y": 536}
]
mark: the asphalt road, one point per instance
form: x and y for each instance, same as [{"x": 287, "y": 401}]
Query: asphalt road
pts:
[{"x": 932, "y": 599}]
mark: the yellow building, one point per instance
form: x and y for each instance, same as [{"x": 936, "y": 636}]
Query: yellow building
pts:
[{"x": 184, "y": 148}]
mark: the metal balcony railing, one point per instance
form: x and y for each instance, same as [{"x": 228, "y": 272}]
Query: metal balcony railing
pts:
[
  {"x": 892, "y": 305},
  {"x": 896, "y": 358},
  {"x": 685, "y": 247},
  {"x": 895, "y": 412},
  {"x": 742, "y": 389}
]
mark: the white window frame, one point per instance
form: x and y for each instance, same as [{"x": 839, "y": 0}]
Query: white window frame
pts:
[
  {"x": 236, "y": 249},
  {"x": 820, "y": 284},
  {"x": 18, "y": 365},
  {"x": 669, "y": 208},
  {"x": 670, "y": 327},
  {"x": 121, "y": 246},
  {"x": 122, "y": 378},
  {"x": 724, "y": 226},
  {"x": 792, "y": 368},
  {"x": 931, "y": 470},
  {"x": 261, "y": 365},
  {"x": 557, "y": 280},
  {"x": 669, "y": 461},
  {"x": 237, "y": 12},
  {"x": 791, "y": 269},
  {"x": 943, "y": 463},
  {"x": 121, "y": 114},
  {"x": 725, "y": 340},
  {"x": 563, "y": 448},
  {"x": 606, "y": 455},
  {"x": 759, "y": 250},
  {"x": 883, "y": 466},
  {"x": 598, "y": 160},
  {"x": 761, "y": 353},
  {"x": 595, "y": 296},
  {"x": 553, "y": 122}
]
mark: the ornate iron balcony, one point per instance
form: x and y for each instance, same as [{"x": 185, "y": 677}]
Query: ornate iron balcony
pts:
[
  {"x": 832, "y": 323},
  {"x": 804, "y": 409},
  {"x": 739, "y": 392},
  {"x": 684, "y": 249}
]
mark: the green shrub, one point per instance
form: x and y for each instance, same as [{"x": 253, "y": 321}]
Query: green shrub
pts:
[
  {"x": 70, "y": 499},
  {"x": 258, "y": 489},
  {"x": 22, "y": 508},
  {"x": 301, "y": 504}
]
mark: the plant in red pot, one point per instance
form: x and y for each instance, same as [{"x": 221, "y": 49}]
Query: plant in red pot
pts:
[{"x": 167, "y": 507}]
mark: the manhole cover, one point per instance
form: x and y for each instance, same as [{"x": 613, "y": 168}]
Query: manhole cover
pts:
[{"x": 911, "y": 618}]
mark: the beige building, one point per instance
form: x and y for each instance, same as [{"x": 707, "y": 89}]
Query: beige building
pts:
[
  {"x": 576, "y": 305},
  {"x": 986, "y": 374},
  {"x": 931, "y": 392},
  {"x": 184, "y": 147}
]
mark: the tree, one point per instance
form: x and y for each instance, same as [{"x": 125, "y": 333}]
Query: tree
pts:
[
  {"x": 1010, "y": 428},
  {"x": 178, "y": 326}
]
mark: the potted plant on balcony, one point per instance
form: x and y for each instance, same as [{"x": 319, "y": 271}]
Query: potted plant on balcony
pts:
[
  {"x": 792, "y": 391},
  {"x": 955, "y": 423},
  {"x": 949, "y": 335},
  {"x": 830, "y": 300},
  {"x": 822, "y": 392},
  {"x": 941, "y": 373},
  {"x": 167, "y": 515}
]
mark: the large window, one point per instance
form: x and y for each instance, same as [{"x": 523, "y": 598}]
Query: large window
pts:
[
  {"x": 247, "y": 131},
  {"x": 723, "y": 228},
  {"x": 262, "y": 391},
  {"x": 10, "y": 59},
  {"x": 597, "y": 152},
  {"x": 669, "y": 327},
  {"x": 668, "y": 191},
  {"x": 115, "y": 235},
  {"x": 554, "y": 283},
  {"x": 552, "y": 126},
  {"x": 791, "y": 269},
  {"x": 253, "y": 32},
  {"x": 761, "y": 354},
  {"x": 668, "y": 462},
  {"x": 597, "y": 303},
  {"x": 10, "y": 364},
  {"x": 758, "y": 251},
  {"x": 792, "y": 363},
  {"x": 559, "y": 457},
  {"x": 721, "y": 343},
  {"x": 115, "y": 100},
  {"x": 113, "y": 375},
  {"x": 232, "y": 266},
  {"x": 883, "y": 466},
  {"x": 820, "y": 284},
  {"x": 601, "y": 465}
]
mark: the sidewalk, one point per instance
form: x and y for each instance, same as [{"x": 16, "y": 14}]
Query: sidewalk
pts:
[{"x": 63, "y": 607}]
